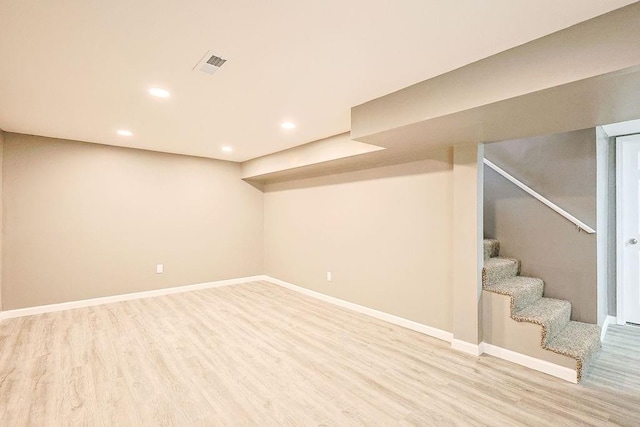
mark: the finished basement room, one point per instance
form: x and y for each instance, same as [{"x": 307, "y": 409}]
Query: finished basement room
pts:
[{"x": 320, "y": 213}]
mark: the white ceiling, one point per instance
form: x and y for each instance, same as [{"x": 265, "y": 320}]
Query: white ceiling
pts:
[{"x": 81, "y": 69}]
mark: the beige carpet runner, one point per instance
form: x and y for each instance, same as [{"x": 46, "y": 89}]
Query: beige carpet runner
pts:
[{"x": 559, "y": 333}]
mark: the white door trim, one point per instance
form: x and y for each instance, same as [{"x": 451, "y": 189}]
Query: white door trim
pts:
[
  {"x": 619, "y": 246},
  {"x": 628, "y": 308}
]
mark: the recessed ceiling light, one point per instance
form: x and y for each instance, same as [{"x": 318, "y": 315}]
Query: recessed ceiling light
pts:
[
  {"x": 288, "y": 125},
  {"x": 227, "y": 149},
  {"x": 159, "y": 92},
  {"x": 124, "y": 132}
]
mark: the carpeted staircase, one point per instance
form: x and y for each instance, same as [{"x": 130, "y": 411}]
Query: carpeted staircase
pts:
[{"x": 561, "y": 335}]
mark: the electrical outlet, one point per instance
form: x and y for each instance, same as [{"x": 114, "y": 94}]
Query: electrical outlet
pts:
[
  {"x": 328, "y": 276},
  {"x": 160, "y": 268}
]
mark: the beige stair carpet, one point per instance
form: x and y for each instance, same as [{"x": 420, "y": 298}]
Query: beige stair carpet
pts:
[{"x": 560, "y": 334}]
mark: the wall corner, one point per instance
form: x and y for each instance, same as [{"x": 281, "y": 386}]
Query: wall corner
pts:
[{"x": 467, "y": 240}]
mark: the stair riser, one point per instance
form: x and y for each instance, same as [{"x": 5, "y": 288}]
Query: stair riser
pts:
[
  {"x": 580, "y": 341},
  {"x": 589, "y": 357},
  {"x": 494, "y": 274},
  {"x": 491, "y": 248},
  {"x": 558, "y": 324},
  {"x": 528, "y": 297},
  {"x": 554, "y": 325}
]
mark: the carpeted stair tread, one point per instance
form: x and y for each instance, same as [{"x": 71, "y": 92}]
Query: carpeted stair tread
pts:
[
  {"x": 523, "y": 291},
  {"x": 497, "y": 269},
  {"x": 552, "y": 314},
  {"x": 578, "y": 340},
  {"x": 491, "y": 248}
]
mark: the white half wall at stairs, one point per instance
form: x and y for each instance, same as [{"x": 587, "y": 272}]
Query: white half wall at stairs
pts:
[{"x": 472, "y": 349}]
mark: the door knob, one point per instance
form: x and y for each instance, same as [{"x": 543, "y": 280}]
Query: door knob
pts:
[{"x": 633, "y": 241}]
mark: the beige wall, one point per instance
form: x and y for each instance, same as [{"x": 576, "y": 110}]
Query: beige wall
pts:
[
  {"x": 1, "y": 197},
  {"x": 385, "y": 234},
  {"x": 561, "y": 167},
  {"x": 84, "y": 221},
  {"x": 467, "y": 243}
]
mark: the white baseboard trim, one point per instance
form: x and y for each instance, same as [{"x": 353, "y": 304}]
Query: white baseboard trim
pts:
[
  {"x": 543, "y": 366},
  {"x": 405, "y": 323},
  {"x": 609, "y": 320},
  {"x": 465, "y": 347},
  {"x": 122, "y": 297}
]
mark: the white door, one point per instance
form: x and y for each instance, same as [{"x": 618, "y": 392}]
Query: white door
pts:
[{"x": 629, "y": 226}]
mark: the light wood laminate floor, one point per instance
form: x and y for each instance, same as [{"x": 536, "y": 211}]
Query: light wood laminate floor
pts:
[
  {"x": 618, "y": 364},
  {"x": 258, "y": 354}
]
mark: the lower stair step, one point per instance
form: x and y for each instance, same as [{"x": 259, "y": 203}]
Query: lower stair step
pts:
[
  {"x": 579, "y": 341},
  {"x": 552, "y": 314}
]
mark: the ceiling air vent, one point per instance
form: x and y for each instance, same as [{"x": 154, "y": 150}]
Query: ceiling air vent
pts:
[{"x": 210, "y": 63}]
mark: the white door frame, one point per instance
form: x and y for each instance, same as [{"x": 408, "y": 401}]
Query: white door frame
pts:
[
  {"x": 620, "y": 320},
  {"x": 619, "y": 283},
  {"x": 620, "y": 240}
]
